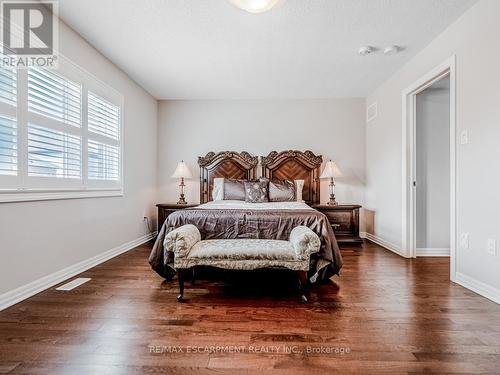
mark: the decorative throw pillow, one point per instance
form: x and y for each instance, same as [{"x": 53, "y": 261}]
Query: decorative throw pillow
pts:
[
  {"x": 299, "y": 186},
  {"x": 281, "y": 191},
  {"x": 256, "y": 191},
  {"x": 218, "y": 189},
  {"x": 234, "y": 190}
]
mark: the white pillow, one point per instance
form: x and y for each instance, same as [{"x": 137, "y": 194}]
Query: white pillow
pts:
[
  {"x": 299, "y": 185},
  {"x": 218, "y": 189}
]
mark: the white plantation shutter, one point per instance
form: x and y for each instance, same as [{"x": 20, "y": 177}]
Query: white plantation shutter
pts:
[
  {"x": 53, "y": 153},
  {"x": 54, "y": 96},
  {"x": 8, "y": 86},
  {"x": 8, "y": 146},
  {"x": 104, "y": 161},
  {"x": 103, "y": 117},
  {"x": 60, "y": 134},
  {"x": 8, "y": 123},
  {"x": 54, "y": 131},
  {"x": 104, "y": 157}
]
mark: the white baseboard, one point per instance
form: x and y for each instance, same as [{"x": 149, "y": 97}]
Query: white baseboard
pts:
[
  {"x": 385, "y": 244},
  {"x": 478, "y": 287},
  {"x": 17, "y": 295},
  {"x": 433, "y": 252}
]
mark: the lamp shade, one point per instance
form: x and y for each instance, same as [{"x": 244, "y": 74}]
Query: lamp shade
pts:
[
  {"x": 331, "y": 170},
  {"x": 182, "y": 171}
]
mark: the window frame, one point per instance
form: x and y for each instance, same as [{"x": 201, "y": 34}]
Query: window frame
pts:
[{"x": 22, "y": 187}]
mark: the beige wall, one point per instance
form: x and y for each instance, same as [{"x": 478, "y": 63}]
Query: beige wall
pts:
[
  {"x": 40, "y": 238},
  {"x": 474, "y": 40},
  {"x": 333, "y": 128}
]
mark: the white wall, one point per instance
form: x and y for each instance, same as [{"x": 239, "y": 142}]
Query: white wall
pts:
[
  {"x": 333, "y": 128},
  {"x": 473, "y": 39},
  {"x": 433, "y": 166},
  {"x": 39, "y": 238}
]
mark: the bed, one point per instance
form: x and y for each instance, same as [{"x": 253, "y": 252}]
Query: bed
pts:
[{"x": 272, "y": 220}]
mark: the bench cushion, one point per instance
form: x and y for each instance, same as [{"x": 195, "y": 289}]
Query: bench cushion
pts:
[
  {"x": 182, "y": 239},
  {"x": 243, "y": 249},
  {"x": 241, "y": 253}
]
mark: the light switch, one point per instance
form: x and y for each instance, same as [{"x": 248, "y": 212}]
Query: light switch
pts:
[
  {"x": 464, "y": 240},
  {"x": 464, "y": 137},
  {"x": 492, "y": 246}
]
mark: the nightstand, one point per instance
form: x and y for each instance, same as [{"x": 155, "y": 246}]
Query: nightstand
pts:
[
  {"x": 344, "y": 219},
  {"x": 165, "y": 209}
]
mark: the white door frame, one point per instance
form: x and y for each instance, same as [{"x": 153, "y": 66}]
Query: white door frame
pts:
[{"x": 409, "y": 159}]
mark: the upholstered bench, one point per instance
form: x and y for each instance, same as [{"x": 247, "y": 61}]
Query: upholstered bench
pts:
[{"x": 241, "y": 254}]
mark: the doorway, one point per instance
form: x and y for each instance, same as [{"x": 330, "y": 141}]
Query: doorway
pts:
[
  {"x": 422, "y": 235},
  {"x": 432, "y": 169}
]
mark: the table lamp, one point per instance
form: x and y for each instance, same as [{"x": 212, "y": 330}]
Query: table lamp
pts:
[
  {"x": 331, "y": 171},
  {"x": 182, "y": 172}
]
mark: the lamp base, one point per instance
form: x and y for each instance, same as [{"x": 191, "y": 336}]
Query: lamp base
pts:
[
  {"x": 332, "y": 201},
  {"x": 182, "y": 200}
]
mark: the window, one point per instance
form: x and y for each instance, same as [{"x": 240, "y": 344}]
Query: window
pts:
[
  {"x": 54, "y": 130},
  {"x": 8, "y": 86},
  {"x": 104, "y": 117},
  {"x": 8, "y": 123},
  {"x": 53, "y": 154},
  {"x": 104, "y": 161},
  {"x": 53, "y": 96},
  {"x": 8, "y": 146},
  {"x": 104, "y": 135},
  {"x": 60, "y": 134}
]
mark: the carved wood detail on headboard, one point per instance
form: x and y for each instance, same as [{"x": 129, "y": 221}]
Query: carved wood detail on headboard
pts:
[
  {"x": 225, "y": 164},
  {"x": 295, "y": 165}
]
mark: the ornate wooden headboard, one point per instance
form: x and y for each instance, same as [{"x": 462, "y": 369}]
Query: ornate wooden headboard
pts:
[
  {"x": 295, "y": 165},
  {"x": 225, "y": 164}
]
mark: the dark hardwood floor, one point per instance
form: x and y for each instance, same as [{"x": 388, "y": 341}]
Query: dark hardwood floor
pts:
[{"x": 385, "y": 315}]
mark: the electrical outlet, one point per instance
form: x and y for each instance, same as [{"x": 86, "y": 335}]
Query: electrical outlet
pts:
[
  {"x": 464, "y": 137},
  {"x": 464, "y": 240},
  {"x": 492, "y": 246}
]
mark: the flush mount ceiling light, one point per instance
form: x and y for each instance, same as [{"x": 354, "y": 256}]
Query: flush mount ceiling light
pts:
[
  {"x": 255, "y": 6},
  {"x": 365, "y": 50}
]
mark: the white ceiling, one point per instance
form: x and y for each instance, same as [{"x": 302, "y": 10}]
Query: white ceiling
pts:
[{"x": 209, "y": 49}]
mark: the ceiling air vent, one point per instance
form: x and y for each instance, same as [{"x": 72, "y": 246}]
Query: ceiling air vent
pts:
[{"x": 371, "y": 112}]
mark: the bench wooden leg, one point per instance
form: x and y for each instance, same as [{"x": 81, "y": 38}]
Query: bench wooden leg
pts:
[
  {"x": 303, "y": 286},
  {"x": 180, "y": 278}
]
